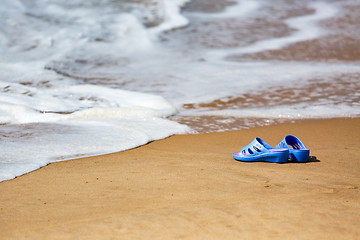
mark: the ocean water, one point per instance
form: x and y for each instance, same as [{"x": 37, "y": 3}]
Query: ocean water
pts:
[{"x": 82, "y": 78}]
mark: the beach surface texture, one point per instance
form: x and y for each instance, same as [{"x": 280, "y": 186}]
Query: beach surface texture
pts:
[{"x": 190, "y": 187}]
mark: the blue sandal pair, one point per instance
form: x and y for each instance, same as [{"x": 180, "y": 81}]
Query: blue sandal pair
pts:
[{"x": 259, "y": 151}]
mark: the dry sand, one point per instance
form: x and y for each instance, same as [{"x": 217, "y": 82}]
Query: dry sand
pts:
[{"x": 188, "y": 186}]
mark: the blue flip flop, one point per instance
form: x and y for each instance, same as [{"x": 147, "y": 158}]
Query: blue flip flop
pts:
[
  {"x": 259, "y": 151},
  {"x": 297, "y": 150}
]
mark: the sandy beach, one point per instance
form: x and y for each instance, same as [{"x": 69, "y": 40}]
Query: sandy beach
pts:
[
  {"x": 184, "y": 186},
  {"x": 189, "y": 187}
]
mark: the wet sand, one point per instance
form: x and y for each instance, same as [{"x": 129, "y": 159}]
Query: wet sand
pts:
[
  {"x": 189, "y": 187},
  {"x": 340, "y": 44}
]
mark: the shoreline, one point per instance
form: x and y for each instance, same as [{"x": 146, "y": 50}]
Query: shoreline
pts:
[
  {"x": 292, "y": 81},
  {"x": 188, "y": 186}
]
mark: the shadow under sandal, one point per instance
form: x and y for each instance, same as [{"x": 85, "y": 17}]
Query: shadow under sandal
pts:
[
  {"x": 260, "y": 151},
  {"x": 297, "y": 150}
]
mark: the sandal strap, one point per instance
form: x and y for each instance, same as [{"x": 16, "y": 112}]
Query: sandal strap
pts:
[
  {"x": 256, "y": 147},
  {"x": 291, "y": 142}
]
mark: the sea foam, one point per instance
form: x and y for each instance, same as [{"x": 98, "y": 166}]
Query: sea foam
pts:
[{"x": 46, "y": 113}]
